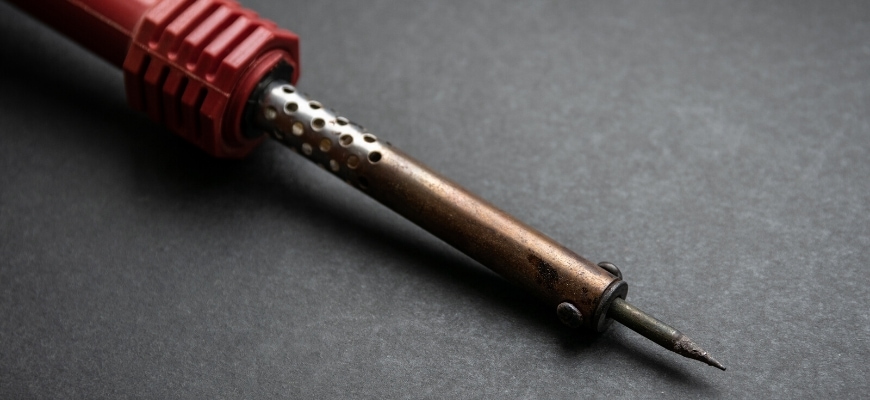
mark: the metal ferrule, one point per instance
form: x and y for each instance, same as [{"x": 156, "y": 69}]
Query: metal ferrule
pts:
[{"x": 468, "y": 223}]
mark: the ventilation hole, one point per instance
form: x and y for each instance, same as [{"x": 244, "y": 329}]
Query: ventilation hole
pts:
[
  {"x": 298, "y": 128},
  {"x": 317, "y": 124},
  {"x": 146, "y": 62},
  {"x": 306, "y": 148},
  {"x": 333, "y": 165},
  {"x": 369, "y": 138},
  {"x": 278, "y": 135},
  {"x": 291, "y": 107},
  {"x": 197, "y": 121},
  {"x": 288, "y": 89},
  {"x": 325, "y": 145},
  {"x": 270, "y": 113},
  {"x": 345, "y": 140},
  {"x": 353, "y": 162},
  {"x": 363, "y": 182},
  {"x": 315, "y": 105},
  {"x": 342, "y": 121},
  {"x": 161, "y": 83},
  {"x": 374, "y": 156},
  {"x": 179, "y": 107}
]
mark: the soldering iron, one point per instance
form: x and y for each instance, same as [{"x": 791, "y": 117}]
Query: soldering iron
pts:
[{"x": 224, "y": 79}]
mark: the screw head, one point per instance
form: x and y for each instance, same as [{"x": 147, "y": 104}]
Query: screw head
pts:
[{"x": 569, "y": 314}]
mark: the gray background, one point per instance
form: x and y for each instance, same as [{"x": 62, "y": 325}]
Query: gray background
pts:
[{"x": 719, "y": 153}]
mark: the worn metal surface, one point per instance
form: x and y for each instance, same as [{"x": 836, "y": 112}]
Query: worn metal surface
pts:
[
  {"x": 453, "y": 214},
  {"x": 659, "y": 332}
]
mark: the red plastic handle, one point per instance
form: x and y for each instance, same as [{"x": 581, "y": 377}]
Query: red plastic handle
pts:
[
  {"x": 189, "y": 64},
  {"x": 104, "y": 27}
]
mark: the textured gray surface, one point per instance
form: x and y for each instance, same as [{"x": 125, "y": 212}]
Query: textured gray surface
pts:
[{"x": 719, "y": 153}]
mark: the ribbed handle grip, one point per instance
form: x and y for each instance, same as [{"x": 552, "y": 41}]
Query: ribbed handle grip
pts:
[{"x": 193, "y": 64}]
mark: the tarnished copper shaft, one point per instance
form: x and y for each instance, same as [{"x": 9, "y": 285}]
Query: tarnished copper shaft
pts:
[
  {"x": 453, "y": 214},
  {"x": 583, "y": 294},
  {"x": 490, "y": 236}
]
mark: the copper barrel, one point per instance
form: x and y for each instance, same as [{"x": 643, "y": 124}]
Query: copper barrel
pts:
[{"x": 470, "y": 224}]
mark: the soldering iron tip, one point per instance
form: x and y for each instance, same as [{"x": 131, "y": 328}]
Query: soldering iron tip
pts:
[
  {"x": 686, "y": 347},
  {"x": 659, "y": 332},
  {"x": 715, "y": 363}
]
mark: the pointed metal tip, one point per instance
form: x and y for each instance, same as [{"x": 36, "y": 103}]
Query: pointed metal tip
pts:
[
  {"x": 686, "y": 347},
  {"x": 715, "y": 363},
  {"x": 659, "y": 332}
]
